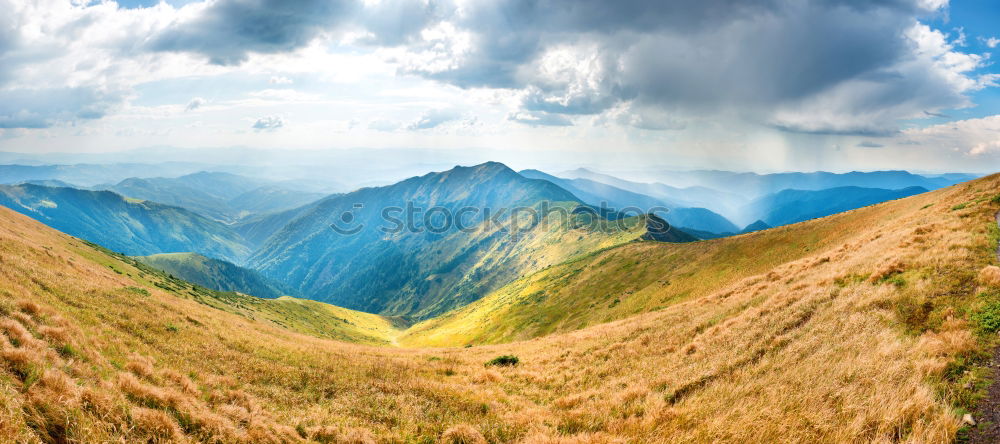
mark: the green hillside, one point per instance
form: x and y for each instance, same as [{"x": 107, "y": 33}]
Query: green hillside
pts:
[
  {"x": 130, "y": 226},
  {"x": 299, "y": 315},
  {"x": 633, "y": 278},
  {"x": 419, "y": 272},
  {"x": 214, "y": 273}
]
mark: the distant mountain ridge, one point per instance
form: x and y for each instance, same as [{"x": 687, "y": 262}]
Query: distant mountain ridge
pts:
[
  {"x": 754, "y": 184},
  {"x": 595, "y": 193},
  {"x": 130, "y": 226},
  {"x": 220, "y": 196},
  {"x": 689, "y": 196},
  {"x": 730, "y": 194},
  {"x": 791, "y": 206},
  {"x": 87, "y": 175},
  {"x": 756, "y": 226}
]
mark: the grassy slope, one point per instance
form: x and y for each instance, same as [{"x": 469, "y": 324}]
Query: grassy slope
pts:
[
  {"x": 299, "y": 315},
  {"x": 634, "y": 278},
  {"x": 855, "y": 335},
  {"x": 467, "y": 265},
  {"x": 214, "y": 273}
]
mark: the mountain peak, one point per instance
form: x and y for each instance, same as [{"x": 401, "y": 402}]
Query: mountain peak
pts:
[
  {"x": 756, "y": 226},
  {"x": 492, "y": 167}
]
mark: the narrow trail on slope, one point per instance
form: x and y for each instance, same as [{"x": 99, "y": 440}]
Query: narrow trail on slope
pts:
[{"x": 987, "y": 430}]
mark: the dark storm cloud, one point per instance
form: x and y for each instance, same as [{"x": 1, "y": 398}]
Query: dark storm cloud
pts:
[
  {"x": 395, "y": 22},
  {"x": 766, "y": 61},
  {"x": 9, "y": 36},
  {"x": 941, "y": 115},
  {"x": 510, "y": 33},
  {"x": 814, "y": 66},
  {"x": 703, "y": 56},
  {"x": 228, "y": 30}
]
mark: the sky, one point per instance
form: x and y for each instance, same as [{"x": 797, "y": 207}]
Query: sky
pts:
[{"x": 748, "y": 85}]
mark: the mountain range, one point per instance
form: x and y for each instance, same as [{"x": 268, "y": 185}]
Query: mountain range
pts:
[
  {"x": 598, "y": 193},
  {"x": 729, "y": 193},
  {"x": 290, "y": 244},
  {"x": 130, "y": 226},
  {"x": 220, "y": 196},
  {"x": 754, "y": 185},
  {"x": 870, "y": 325},
  {"x": 791, "y": 206},
  {"x": 419, "y": 271}
]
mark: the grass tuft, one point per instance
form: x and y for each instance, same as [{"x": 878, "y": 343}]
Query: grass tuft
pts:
[{"x": 503, "y": 361}]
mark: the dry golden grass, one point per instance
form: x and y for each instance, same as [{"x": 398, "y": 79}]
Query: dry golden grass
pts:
[
  {"x": 990, "y": 275},
  {"x": 462, "y": 434},
  {"x": 809, "y": 348}
]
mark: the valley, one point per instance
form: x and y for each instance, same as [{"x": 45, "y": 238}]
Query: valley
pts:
[
  {"x": 623, "y": 329},
  {"x": 499, "y": 222},
  {"x": 661, "y": 335},
  {"x": 416, "y": 272}
]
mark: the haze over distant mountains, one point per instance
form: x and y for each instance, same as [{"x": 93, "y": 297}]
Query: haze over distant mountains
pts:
[
  {"x": 130, "y": 226},
  {"x": 791, "y": 206},
  {"x": 729, "y": 193},
  {"x": 221, "y": 196},
  {"x": 597, "y": 193}
]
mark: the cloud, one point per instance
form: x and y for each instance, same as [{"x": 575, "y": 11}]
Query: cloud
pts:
[
  {"x": 972, "y": 137},
  {"x": 43, "y": 108},
  {"x": 539, "y": 118},
  {"x": 806, "y": 66},
  {"x": 869, "y": 144},
  {"x": 227, "y": 31},
  {"x": 67, "y": 62},
  {"x": 268, "y": 123},
  {"x": 816, "y": 66},
  {"x": 195, "y": 103},
  {"x": 646, "y": 118},
  {"x": 434, "y": 118},
  {"x": 383, "y": 125},
  {"x": 396, "y": 22}
]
